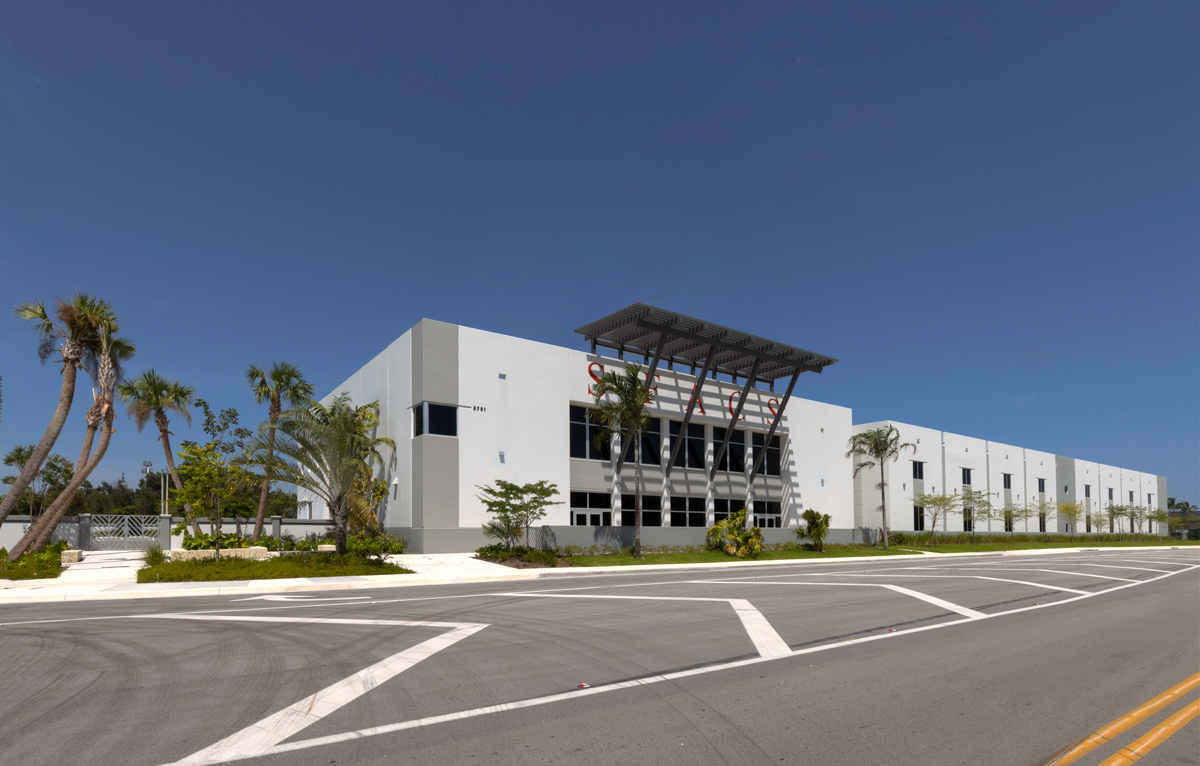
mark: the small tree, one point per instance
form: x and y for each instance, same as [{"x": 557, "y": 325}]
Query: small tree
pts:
[
  {"x": 816, "y": 526},
  {"x": 876, "y": 448},
  {"x": 977, "y": 507},
  {"x": 1137, "y": 517},
  {"x": 1159, "y": 516},
  {"x": 205, "y": 487},
  {"x": 1115, "y": 513},
  {"x": 516, "y": 507},
  {"x": 1014, "y": 514},
  {"x": 621, "y": 400},
  {"x": 1045, "y": 512},
  {"x": 1072, "y": 512},
  {"x": 937, "y": 508}
]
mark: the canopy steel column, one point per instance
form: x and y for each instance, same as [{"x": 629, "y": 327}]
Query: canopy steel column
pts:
[
  {"x": 770, "y": 433},
  {"x": 737, "y": 413},
  {"x": 662, "y": 342},
  {"x": 687, "y": 416}
]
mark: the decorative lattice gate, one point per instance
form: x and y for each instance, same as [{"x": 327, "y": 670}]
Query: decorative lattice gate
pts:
[{"x": 121, "y": 532}]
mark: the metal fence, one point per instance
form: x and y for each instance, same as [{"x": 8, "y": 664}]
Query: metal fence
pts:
[{"x": 121, "y": 532}]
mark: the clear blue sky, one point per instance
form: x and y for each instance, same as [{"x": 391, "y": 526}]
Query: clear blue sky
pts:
[{"x": 987, "y": 211}]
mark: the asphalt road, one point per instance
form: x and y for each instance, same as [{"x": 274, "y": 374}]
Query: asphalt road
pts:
[{"x": 987, "y": 660}]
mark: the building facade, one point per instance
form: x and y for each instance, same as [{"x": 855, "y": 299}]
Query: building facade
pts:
[{"x": 466, "y": 407}]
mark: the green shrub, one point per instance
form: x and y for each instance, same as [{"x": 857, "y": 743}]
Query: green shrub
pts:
[
  {"x": 493, "y": 552},
  {"x": 732, "y": 536},
  {"x": 153, "y": 555},
  {"x": 375, "y": 543},
  {"x": 544, "y": 558},
  {"x": 300, "y": 565},
  {"x": 33, "y": 566},
  {"x": 816, "y": 526},
  {"x": 205, "y": 542}
]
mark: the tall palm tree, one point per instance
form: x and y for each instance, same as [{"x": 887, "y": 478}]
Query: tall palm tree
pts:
[
  {"x": 283, "y": 382},
  {"x": 624, "y": 414},
  {"x": 150, "y": 394},
  {"x": 321, "y": 449},
  {"x": 105, "y": 366},
  {"x": 876, "y": 448},
  {"x": 73, "y": 331}
]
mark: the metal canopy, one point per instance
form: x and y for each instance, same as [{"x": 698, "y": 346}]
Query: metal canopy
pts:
[{"x": 688, "y": 341}]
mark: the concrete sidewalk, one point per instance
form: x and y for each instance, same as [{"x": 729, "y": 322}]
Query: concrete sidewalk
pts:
[{"x": 106, "y": 575}]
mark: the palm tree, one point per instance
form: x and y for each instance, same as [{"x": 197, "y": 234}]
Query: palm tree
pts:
[
  {"x": 283, "y": 382},
  {"x": 105, "y": 367},
  {"x": 150, "y": 394},
  {"x": 74, "y": 332},
  {"x": 321, "y": 449},
  {"x": 624, "y": 414},
  {"x": 876, "y": 448}
]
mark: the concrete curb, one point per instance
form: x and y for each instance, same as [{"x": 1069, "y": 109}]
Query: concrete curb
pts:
[{"x": 83, "y": 592}]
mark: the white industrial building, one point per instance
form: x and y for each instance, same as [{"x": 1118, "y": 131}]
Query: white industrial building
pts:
[{"x": 467, "y": 407}]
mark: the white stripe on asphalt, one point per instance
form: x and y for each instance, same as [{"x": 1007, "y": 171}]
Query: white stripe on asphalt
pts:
[
  {"x": 1114, "y": 566},
  {"x": 258, "y": 738},
  {"x": 1052, "y": 571},
  {"x": 947, "y": 605},
  {"x": 568, "y": 696},
  {"x": 982, "y": 577},
  {"x": 768, "y": 642}
]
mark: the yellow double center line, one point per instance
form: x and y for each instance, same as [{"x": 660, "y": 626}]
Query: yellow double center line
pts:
[{"x": 1147, "y": 742}]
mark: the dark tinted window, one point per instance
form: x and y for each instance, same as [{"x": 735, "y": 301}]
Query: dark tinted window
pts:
[
  {"x": 652, "y": 443},
  {"x": 443, "y": 420}
]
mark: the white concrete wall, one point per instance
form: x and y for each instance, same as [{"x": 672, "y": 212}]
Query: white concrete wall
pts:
[
  {"x": 965, "y": 452},
  {"x": 1041, "y": 465},
  {"x": 387, "y": 378},
  {"x": 1087, "y": 474},
  {"x": 1006, "y": 459},
  {"x": 900, "y": 489},
  {"x": 525, "y": 417}
]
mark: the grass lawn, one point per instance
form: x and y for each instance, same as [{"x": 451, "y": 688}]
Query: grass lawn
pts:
[
  {"x": 281, "y": 567},
  {"x": 717, "y": 557},
  {"x": 1023, "y": 546}
]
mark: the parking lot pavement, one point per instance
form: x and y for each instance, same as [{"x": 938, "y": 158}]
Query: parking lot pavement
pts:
[{"x": 305, "y": 678}]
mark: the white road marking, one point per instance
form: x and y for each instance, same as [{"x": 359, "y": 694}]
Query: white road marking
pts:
[
  {"x": 259, "y": 738},
  {"x": 947, "y": 605},
  {"x": 1151, "y": 561},
  {"x": 766, "y": 640},
  {"x": 301, "y": 598},
  {"x": 1052, "y": 571},
  {"x": 982, "y": 577},
  {"x": 1114, "y": 566},
  {"x": 650, "y": 680}
]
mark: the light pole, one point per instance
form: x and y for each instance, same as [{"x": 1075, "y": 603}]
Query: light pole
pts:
[{"x": 165, "y": 492}]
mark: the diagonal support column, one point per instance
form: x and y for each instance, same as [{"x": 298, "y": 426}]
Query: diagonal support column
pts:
[
  {"x": 737, "y": 413},
  {"x": 687, "y": 416},
  {"x": 662, "y": 342},
  {"x": 774, "y": 424}
]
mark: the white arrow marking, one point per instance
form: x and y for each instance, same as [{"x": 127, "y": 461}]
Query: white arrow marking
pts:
[{"x": 300, "y": 598}]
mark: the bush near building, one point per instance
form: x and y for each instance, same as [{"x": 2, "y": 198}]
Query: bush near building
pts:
[
  {"x": 33, "y": 566},
  {"x": 280, "y": 567}
]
